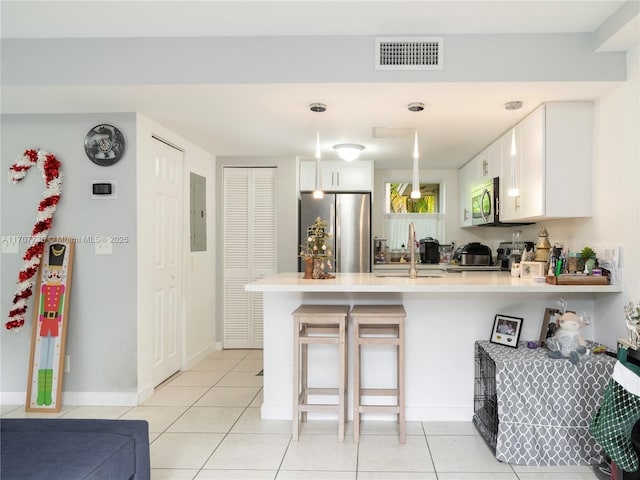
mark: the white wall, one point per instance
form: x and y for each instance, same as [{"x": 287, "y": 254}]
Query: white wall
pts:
[
  {"x": 259, "y": 59},
  {"x": 108, "y": 342},
  {"x": 101, "y": 338},
  {"x": 616, "y": 194}
]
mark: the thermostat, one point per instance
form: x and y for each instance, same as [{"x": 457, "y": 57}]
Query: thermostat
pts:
[{"x": 103, "y": 190}]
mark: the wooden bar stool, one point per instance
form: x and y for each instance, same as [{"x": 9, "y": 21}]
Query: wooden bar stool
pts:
[
  {"x": 378, "y": 325},
  {"x": 318, "y": 324}
]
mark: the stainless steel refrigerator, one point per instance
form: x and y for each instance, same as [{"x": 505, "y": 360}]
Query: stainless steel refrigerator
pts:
[{"x": 349, "y": 219}]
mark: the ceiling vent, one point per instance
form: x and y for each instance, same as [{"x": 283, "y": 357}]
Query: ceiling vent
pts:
[{"x": 409, "y": 53}]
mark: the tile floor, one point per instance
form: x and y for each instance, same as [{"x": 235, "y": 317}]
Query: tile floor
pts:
[{"x": 205, "y": 424}]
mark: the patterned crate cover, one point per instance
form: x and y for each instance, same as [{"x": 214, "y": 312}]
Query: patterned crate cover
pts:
[{"x": 545, "y": 405}]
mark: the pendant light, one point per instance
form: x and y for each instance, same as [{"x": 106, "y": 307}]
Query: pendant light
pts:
[
  {"x": 415, "y": 189},
  {"x": 318, "y": 108},
  {"x": 513, "y": 191}
]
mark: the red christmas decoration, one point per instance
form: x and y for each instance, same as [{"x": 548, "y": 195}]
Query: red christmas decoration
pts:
[{"x": 49, "y": 166}]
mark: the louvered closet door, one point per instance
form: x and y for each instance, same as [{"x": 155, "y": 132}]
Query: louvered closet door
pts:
[{"x": 249, "y": 250}]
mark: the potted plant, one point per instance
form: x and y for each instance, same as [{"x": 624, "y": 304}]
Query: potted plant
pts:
[
  {"x": 588, "y": 257},
  {"x": 316, "y": 253}
]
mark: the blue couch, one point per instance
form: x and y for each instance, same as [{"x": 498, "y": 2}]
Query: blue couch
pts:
[{"x": 74, "y": 449}]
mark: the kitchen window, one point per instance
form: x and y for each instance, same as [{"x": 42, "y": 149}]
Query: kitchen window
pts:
[{"x": 400, "y": 209}]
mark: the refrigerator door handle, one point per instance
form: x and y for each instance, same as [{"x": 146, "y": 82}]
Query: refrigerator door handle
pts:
[{"x": 334, "y": 222}]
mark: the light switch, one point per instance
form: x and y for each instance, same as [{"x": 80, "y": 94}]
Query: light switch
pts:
[
  {"x": 9, "y": 245},
  {"x": 104, "y": 248}
]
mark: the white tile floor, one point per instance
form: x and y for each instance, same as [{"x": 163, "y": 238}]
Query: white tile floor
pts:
[{"x": 205, "y": 424}]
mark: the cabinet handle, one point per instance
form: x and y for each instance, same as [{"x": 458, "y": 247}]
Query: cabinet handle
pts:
[
  {"x": 337, "y": 179},
  {"x": 485, "y": 168},
  {"x": 466, "y": 214},
  {"x": 517, "y": 201},
  {"x": 333, "y": 178}
]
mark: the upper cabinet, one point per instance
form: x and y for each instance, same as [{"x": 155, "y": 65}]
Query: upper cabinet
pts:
[
  {"x": 488, "y": 163},
  {"x": 552, "y": 166},
  {"x": 480, "y": 169},
  {"x": 337, "y": 176},
  {"x": 467, "y": 179}
]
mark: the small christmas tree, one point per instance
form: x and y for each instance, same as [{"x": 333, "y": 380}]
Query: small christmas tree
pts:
[{"x": 317, "y": 250}]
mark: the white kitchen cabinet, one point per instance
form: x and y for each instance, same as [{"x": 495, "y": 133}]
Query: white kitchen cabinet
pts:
[
  {"x": 552, "y": 166},
  {"x": 480, "y": 169},
  {"x": 337, "y": 176},
  {"x": 467, "y": 179},
  {"x": 488, "y": 163},
  {"x": 509, "y": 205}
]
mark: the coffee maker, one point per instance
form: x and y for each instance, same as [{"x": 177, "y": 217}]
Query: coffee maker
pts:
[
  {"x": 509, "y": 253},
  {"x": 429, "y": 250}
]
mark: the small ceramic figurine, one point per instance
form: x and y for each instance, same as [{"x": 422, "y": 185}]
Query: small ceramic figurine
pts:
[{"x": 515, "y": 270}]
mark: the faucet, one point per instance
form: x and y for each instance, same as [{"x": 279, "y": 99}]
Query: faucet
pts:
[{"x": 413, "y": 271}]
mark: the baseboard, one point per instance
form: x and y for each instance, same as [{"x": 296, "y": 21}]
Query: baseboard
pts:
[
  {"x": 193, "y": 360},
  {"x": 122, "y": 399},
  {"x": 145, "y": 393}
]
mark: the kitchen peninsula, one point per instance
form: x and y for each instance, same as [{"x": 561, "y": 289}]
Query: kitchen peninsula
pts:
[{"x": 446, "y": 314}]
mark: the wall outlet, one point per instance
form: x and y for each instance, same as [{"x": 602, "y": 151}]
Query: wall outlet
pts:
[
  {"x": 104, "y": 248},
  {"x": 9, "y": 245},
  {"x": 67, "y": 364}
]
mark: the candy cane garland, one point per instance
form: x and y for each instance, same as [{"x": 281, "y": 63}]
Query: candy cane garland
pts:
[{"x": 49, "y": 166}]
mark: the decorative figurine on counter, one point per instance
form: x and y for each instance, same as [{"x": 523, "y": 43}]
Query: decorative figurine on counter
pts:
[
  {"x": 543, "y": 247},
  {"x": 567, "y": 342}
]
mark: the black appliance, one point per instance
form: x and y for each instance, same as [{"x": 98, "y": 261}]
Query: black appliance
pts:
[
  {"x": 429, "y": 250},
  {"x": 472, "y": 254},
  {"x": 504, "y": 252},
  {"x": 485, "y": 205}
]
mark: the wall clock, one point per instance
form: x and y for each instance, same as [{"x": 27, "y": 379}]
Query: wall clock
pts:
[{"x": 104, "y": 145}]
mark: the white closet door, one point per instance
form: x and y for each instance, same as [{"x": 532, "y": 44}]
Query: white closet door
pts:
[
  {"x": 263, "y": 248},
  {"x": 249, "y": 250}
]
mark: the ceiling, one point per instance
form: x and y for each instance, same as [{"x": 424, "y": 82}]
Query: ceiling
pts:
[{"x": 267, "y": 119}]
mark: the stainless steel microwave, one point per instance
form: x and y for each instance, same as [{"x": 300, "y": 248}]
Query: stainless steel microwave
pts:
[{"x": 485, "y": 203}]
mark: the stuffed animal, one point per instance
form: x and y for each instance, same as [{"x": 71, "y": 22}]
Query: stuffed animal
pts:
[{"x": 567, "y": 342}]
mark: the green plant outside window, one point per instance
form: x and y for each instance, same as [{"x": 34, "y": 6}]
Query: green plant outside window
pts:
[{"x": 400, "y": 201}]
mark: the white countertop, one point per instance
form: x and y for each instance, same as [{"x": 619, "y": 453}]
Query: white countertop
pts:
[{"x": 453, "y": 282}]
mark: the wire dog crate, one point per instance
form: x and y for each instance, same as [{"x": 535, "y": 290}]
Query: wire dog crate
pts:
[{"x": 485, "y": 399}]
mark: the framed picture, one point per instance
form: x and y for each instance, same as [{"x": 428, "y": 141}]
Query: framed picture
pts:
[
  {"x": 548, "y": 327},
  {"x": 532, "y": 269},
  {"x": 506, "y": 330}
]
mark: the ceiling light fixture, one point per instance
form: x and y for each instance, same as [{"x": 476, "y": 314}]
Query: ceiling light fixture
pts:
[
  {"x": 318, "y": 108},
  {"x": 348, "y": 151},
  {"x": 415, "y": 189},
  {"x": 513, "y": 191}
]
